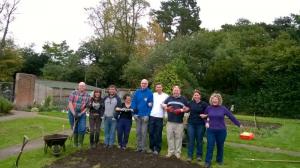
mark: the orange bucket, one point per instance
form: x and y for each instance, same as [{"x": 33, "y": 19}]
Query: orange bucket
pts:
[{"x": 247, "y": 136}]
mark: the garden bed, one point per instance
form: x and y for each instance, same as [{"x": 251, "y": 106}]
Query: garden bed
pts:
[{"x": 116, "y": 158}]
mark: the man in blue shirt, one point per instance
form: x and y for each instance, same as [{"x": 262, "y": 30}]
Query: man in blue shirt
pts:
[
  {"x": 142, "y": 104},
  {"x": 176, "y": 106}
]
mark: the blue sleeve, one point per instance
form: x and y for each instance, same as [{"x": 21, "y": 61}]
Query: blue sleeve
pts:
[
  {"x": 150, "y": 97},
  {"x": 167, "y": 100},
  {"x": 231, "y": 117},
  {"x": 133, "y": 102}
]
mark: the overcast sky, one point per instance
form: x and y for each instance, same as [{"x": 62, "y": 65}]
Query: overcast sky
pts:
[{"x": 39, "y": 21}]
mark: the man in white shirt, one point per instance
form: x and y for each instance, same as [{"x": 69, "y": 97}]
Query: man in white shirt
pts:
[{"x": 156, "y": 119}]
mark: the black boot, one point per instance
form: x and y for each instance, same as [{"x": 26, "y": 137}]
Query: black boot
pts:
[
  {"x": 80, "y": 140},
  {"x": 75, "y": 136},
  {"x": 92, "y": 139},
  {"x": 97, "y": 135}
]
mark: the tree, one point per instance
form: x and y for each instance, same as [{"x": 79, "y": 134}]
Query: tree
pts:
[
  {"x": 178, "y": 17},
  {"x": 117, "y": 18},
  {"x": 33, "y": 62},
  {"x": 63, "y": 64},
  {"x": 7, "y": 12},
  {"x": 10, "y": 63}
]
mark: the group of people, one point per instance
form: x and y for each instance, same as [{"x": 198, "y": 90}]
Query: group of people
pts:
[{"x": 148, "y": 110}]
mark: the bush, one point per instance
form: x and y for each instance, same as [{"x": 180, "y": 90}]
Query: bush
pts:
[{"x": 5, "y": 105}]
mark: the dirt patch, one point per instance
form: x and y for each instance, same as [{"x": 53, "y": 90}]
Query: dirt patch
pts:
[{"x": 116, "y": 158}]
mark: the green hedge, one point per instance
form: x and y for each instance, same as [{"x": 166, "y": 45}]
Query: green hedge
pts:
[{"x": 5, "y": 105}]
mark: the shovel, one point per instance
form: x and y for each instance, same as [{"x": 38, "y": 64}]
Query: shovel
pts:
[{"x": 25, "y": 141}]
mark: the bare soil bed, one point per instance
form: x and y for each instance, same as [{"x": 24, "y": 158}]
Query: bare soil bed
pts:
[{"x": 116, "y": 158}]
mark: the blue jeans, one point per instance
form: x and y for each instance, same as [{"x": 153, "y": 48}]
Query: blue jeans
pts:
[
  {"x": 80, "y": 125},
  {"x": 155, "y": 133},
  {"x": 195, "y": 133},
  {"x": 215, "y": 136},
  {"x": 123, "y": 128},
  {"x": 109, "y": 130}
]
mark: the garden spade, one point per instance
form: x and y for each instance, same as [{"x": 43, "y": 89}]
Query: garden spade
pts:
[{"x": 25, "y": 141}]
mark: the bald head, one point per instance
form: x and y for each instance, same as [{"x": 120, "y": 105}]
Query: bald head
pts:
[
  {"x": 81, "y": 86},
  {"x": 144, "y": 83}
]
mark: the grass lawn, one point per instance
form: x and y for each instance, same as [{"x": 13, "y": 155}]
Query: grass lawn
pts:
[
  {"x": 12, "y": 131},
  {"x": 55, "y": 114},
  {"x": 233, "y": 157},
  {"x": 285, "y": 137}
]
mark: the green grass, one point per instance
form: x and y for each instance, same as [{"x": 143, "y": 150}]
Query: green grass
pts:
[
  {"x": 232, "y": 157},
  {"x": 12, "y": 131},
  {"x": 286, "y": 137},
  {"x": 54, "y": 114}
]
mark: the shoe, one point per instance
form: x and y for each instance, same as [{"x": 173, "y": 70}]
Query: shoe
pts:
[
  {"x": 189, "y": 159},
  {"x": 177, "y": 156},
  {"x": 169, "y": 155},
  {"x": 220, "y": 163},
  {"x": 105, "y": 146},
  {"x": 199, "y": 158},
  {"x": 207, "y": 165},
  {"x": 110, "y": 146},
  {"x": 123, "y": 148},
  {"x": 80, "y": 140},
  {"x": 155, "y": 153},
  {"x": 139, "y": 150}
]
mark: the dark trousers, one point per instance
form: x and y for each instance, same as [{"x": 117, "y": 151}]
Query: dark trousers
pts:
[
  {"x": 215, "y": 136},
  {"x": 155, "y": 133},
  {"x": 195, "y": 133},
  {"x": 95, "y": 123},
  {"x": 123, "y": 129}
]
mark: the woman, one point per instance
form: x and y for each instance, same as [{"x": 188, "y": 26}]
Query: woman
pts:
[
  {"x": 196, "y": 125},
  {"x": 216, "y": 128},
  {"x": 96, "y": 112},
  {"x": 124, "y": 121}
]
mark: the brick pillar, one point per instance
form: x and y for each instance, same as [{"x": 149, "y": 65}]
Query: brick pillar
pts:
[{"x": 24, "y": 90}]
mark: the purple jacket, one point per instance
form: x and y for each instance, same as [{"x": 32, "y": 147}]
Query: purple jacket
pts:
[{"x": 216, "y": 116}]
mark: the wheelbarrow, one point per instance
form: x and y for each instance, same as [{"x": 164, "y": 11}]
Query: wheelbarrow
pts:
[{"x": 56, "y": 142}]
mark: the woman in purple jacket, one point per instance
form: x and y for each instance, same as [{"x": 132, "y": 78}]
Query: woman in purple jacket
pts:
[{"x": 216, "y": 128}]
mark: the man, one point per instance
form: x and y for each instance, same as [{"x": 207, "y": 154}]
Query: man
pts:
[
  {"x": 78, "y": 101},
  {"x": 110, "y": 119},
  {"x": 156, "y": 119},
  {"x": 142, "y": 103},
  {"x": 176, "y": 106}
]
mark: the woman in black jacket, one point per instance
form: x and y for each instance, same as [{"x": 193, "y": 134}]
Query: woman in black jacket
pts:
[{"x": 96, "y": 112}]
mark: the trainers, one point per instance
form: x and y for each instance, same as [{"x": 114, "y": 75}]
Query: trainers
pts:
[
  {"x": 155, "y": 153},
  {"x": 123, "y": 148},
  {"x": 207, "y": 165},
  {"x": 177, "y": 156},
  {"x": 189, "y": 159},
  {"x": 199, "y": 158},
  {"x": 138, "y": 150},
  {"x": 168, "y": 155},
  {"x": 220, "y": 163}
]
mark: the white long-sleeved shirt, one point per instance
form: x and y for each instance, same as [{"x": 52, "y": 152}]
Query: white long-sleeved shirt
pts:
[{"x": 158, "y": 100}]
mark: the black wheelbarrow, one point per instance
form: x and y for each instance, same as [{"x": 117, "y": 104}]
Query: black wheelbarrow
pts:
[{"x": 56, "y": 142}]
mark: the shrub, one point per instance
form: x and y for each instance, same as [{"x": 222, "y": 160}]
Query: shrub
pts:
[{"x": 5, "y": 105}]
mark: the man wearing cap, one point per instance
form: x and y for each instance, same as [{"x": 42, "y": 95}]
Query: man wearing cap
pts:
[{"x": 78, "y": 102}]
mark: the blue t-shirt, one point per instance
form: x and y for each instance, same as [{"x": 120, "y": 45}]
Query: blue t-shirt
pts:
[{"x": 176, "y": 103}]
